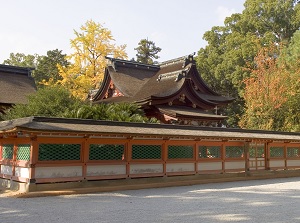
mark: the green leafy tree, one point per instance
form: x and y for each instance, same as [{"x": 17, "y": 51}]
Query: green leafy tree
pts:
[
  {"x": 51, "y": 101},
  {"x": 290, "y": 57},
  {"x": 47, "y": 67},
  {"x": 232, "y": 48},
  {"x": 126, "y": 112},
  {"x": 147, "y": 51},
  {"x": 22, "y": 60}
]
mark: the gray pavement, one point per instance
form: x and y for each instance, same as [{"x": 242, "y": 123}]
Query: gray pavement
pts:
[{"x": 272, "y": 200}]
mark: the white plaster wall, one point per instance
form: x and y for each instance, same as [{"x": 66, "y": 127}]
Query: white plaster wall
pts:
[
  {"x": 6, "y": 169},
  {"x": 260, "y": 162},
  {"x": 180, "y": 167},
  {"x": 234, "y": 165},
  {"x": 277, "y": 163},
  {"x": 57, "y": 172},
  {"x": 22, "y": 172},
  {"x": 210, "y": 166},
  {"x": 101, "y": 170},
  {"x": 146, "y": 168},
  {"x": 294, "y": 163}
]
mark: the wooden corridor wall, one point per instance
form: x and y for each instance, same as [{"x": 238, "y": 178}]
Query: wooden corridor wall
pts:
[{"x": 66, "y": 159}]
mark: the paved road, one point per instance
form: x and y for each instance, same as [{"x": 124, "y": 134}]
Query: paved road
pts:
[{"x": 276, "y": 200}]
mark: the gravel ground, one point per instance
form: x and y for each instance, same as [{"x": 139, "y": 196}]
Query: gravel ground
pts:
[{"x": 275, "y": 200}]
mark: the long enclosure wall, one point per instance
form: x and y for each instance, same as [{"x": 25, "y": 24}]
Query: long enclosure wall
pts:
[{"x": 62, "y": 159}]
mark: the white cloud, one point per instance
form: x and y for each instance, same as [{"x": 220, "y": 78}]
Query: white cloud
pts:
[{"x": 223, "y": 12}]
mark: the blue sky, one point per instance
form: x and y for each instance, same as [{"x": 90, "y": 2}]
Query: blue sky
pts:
[{"x": 36, "y": 26}]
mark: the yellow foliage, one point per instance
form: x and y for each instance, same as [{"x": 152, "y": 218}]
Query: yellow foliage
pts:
[{"x": 90, "y": 47}]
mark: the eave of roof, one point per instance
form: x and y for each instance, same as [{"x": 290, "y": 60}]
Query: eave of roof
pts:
[
  {"x": 176, "y": 111},
  {"x": 41, "y": 124},
  {"x": 15, "y": 69}
]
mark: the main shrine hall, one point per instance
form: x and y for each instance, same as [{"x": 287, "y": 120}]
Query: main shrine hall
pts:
[{"x": 172, "y": 91}]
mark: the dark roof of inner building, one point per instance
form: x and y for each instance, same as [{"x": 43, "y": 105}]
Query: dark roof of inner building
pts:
[
  {"x": 141, "y": 82},
  {"x": 16, "y": 84}
]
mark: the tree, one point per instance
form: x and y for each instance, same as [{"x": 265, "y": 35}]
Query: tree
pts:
[
  {"x": 56, "y": 101},
  {"x": 126, "y": 112},
  {"x": 290, "y": 57},
  {"x": 52, "y": 101},
  {"x": 265, "y": 93},
  {"x": 232, "y": 48},
  {"x": 147, "y": 51},
  {"x": 90, "y": 46},
  {"x": 22, "y": 60},
  {"x": 272, "y": 94},
  {"x": 47, "y": 67}
]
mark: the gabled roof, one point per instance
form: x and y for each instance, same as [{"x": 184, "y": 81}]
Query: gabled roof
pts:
[
  {"x": 15, "y": 84},
  {"x": 158, "y": 84}
]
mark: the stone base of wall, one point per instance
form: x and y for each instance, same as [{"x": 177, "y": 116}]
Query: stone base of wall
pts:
[
  {"x": 14, "y": 186},
  {"x": 47, "y": 189}
]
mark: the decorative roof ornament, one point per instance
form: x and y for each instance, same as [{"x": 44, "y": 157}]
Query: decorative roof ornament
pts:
[{"x": 176, "y": 75}]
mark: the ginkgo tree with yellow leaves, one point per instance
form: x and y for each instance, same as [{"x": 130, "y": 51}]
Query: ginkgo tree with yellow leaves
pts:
[{"x": 87, "y": 62}]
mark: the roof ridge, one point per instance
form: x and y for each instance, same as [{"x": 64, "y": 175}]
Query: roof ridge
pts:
[{"x": 186, "y": 58}]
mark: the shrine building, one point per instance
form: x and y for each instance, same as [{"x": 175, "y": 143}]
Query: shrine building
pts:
[{"x": 172, "y": 91}]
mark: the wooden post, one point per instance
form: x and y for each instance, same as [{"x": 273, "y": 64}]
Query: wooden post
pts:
[
  {"x": 14, "y": 158},
  {"x": 165, "y": 156},
  {"x": 34, "y": 155},
  {"x": 223, "y": 156},
  {"x": 85, "y": 158},
  {"x": 246, "y": 155}
]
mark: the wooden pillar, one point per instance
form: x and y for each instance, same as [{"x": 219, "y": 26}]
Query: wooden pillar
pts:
[
  {"x": 246, "y": 155},
  {"x": 128, "y": 152},
  {"x": 285, "y": 155},
  {"x": 85, "y": 156},
  {"x": 196, "y": 156},
  {"x": 14, "y": 158},
  {"x": 165, "y": 156},
  {"x": 267, "y": 155},
  {"x": 223, "y": 156},
  {"x": 34, "y": 156}
]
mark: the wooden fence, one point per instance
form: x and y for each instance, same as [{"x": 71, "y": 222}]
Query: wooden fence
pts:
[{"x": 67, "y": 159}]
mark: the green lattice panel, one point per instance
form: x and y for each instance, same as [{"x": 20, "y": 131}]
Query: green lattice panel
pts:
[
  {"x": 146, "y": 151},
  {"x": 50, "y": 152},
  {"x": 7, "y": 151},
  {"x": 276, "y": 152},
  {"x": 106, "y": 152},
  {"x": 180, "y": 152},
  {"x": 209, "y": 151},
  {"x": 293, "y": 152},
  {"x": 234, "y": 151},
  {"x": 23, "y": 152}
]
